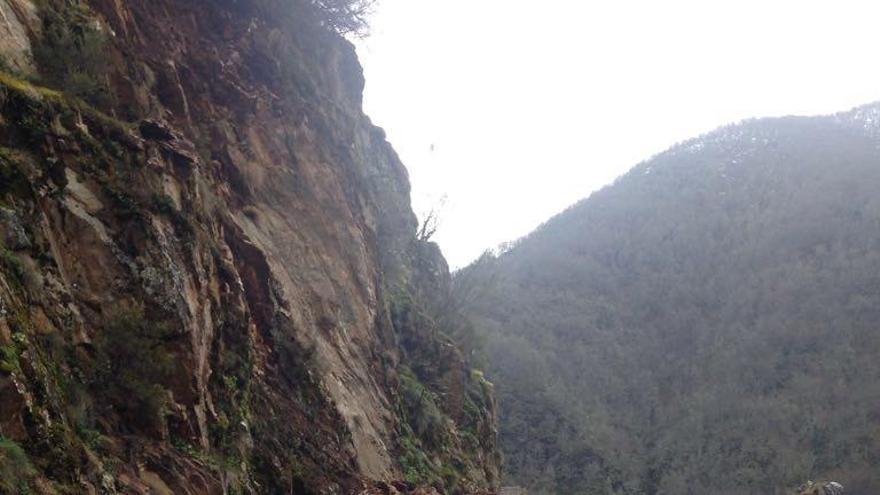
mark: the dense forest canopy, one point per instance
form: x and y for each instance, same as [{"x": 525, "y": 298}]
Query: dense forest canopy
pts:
[{"x": 706, "y": 324}]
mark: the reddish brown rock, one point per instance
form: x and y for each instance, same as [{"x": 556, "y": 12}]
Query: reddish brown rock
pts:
[{"x": 263, "y": 226}]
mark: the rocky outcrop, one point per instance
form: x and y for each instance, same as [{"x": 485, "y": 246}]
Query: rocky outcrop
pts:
[
  {"x": 239, "y": 235},
  {"x": 821, "y": 488},
  {"x": 19, "y": 23}
]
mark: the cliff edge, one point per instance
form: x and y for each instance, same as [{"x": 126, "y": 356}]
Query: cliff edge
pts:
[{"x": 210, "y": 278}]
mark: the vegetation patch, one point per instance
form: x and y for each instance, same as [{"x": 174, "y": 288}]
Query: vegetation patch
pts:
[
  {"x": 33, "y": 107},
  {"x": 417, "y": 468},
  {"x": 420, "y": 406},
  {"x": 232, "y": 392},
  {"x": 12, "y": 264},
  {"x": 72, "y": 53},
  {"x": 426, "y": 446},
  {"x": 133, "y": 362},
  {"x": 16, "y": 469},
  {"x": 13, "y": 179},
  {"x": 344, "y": 16},
  {"x": 165, "y": 206},
  {"x": 9, "y": 355},
  {"x": 706, "y": 324}
]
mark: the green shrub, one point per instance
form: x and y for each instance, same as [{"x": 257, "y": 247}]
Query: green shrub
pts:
[
  {"x": 12, "y": 178},
  {"x": 11, "y": 263},
  {"x": 7, "y": 67},
  {"x": 426, "y": 430},
  {"x": 422, "y": 412},
  {"x": 72, "y": 54},
  {"x": 15, "y": 468},
  {"x": 134, "y": 361},
  {"x": 417, "y": 468},
  {"x": 9, "y": 356}
]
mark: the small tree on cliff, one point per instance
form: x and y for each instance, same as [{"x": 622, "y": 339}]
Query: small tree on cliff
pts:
[{"x": 345, "y": 16}]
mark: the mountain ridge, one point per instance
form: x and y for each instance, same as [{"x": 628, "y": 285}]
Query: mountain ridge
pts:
[{"x": 693, "y": 284}]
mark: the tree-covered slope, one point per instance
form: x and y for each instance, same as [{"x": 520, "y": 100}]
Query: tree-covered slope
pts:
[{"x": 706, "y": 324}]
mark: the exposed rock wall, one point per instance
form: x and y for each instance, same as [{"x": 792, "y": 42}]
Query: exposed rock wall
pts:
[
  {"x": 245, "y": 209},
  {"x": 18, "y": 24}
]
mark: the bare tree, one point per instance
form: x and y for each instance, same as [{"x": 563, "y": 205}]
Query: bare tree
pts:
[
  {"x": 429, "y": 226},
  {"x": 345, "y": 16},
  {"x": 431, "y": 223}
]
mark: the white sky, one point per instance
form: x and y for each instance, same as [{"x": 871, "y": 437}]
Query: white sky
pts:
[{"x": 530, "y": 106}]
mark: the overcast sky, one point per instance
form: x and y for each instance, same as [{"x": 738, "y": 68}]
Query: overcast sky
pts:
[{"x": 512, "y": 110}]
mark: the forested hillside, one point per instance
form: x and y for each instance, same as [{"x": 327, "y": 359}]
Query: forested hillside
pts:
[{"x": 708, "y": 324}]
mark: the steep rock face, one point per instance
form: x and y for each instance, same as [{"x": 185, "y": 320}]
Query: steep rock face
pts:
[
  {"x": 18, "y": 23},
  {"x": 242, "y": 223}
]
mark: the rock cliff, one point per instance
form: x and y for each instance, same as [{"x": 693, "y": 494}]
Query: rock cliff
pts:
[{"x": 210, "y": 279}]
